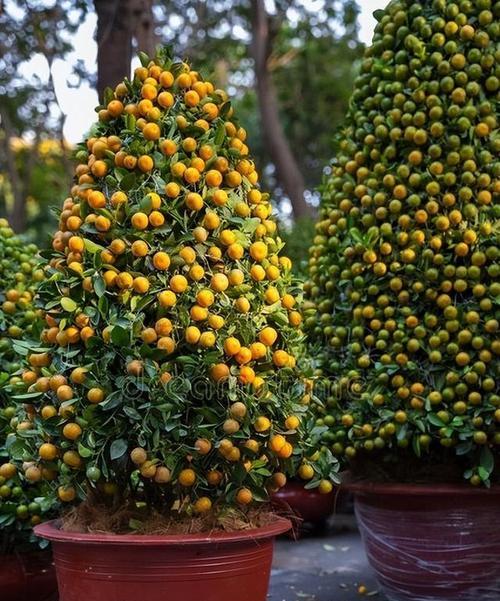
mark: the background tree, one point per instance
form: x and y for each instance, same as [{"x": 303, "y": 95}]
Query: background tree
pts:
[
  {"x": 293, "y": 96},
  {"x": 283, "y": 158},
  {"x": 41, "y": 171},
  {"x": 29, "y": 106},
  {"x": 274, "y": 61},
  {"x": 119, "y": 23}
]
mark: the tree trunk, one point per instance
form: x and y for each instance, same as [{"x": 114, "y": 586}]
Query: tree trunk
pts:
[
  {"x": 143, "y": 17},
  {"x": 287, "y": 170},
  {"x": 17, "y": 215},
  {"x": 67, "y": 163},
  {"x": 221, "y": 73},
  {"x": 115, "y": 28}
]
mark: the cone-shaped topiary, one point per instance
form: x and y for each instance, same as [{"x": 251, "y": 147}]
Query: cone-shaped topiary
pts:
[
  {"x": 169, "y": 376},
  {"x": 21, "y": 502},
  {"x": 404, "y": 267}
]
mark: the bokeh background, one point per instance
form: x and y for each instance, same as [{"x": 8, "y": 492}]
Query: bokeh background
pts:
[{"x": 289, "y": 67}]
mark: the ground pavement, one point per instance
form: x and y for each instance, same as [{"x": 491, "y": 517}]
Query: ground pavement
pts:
[{"x": 328, "y": 565}]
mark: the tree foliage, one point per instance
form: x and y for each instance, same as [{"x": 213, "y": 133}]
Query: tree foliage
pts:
[
  {"x": 404, "y": 267},
  {"x": 173, "y": 323},
  {"x": 22, "y": 500}
]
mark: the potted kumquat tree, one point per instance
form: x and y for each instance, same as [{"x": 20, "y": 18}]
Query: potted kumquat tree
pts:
[
  {"x": 404, "y": 292},
  {"x": 24, "y": 569},
  {"x": 168, "y": 391}
]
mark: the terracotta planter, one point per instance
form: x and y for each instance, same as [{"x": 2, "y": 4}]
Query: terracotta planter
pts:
[
  {"x": 28, "y": 576},
  {"x": 431, "y": 543},
  {"x": 212, "y": 567},
  {"x": 309, "y": 505}
]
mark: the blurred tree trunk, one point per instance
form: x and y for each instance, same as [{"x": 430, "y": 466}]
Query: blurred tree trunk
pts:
[
  {"x": 221, "y": 73},
  {"x": 118, "y": 23},
  {"x": 115, "y": 28},
  {"x": 287, "y": 170},
  {"x": 143, "y": 17},
  {"x": 17, "y": 215}
]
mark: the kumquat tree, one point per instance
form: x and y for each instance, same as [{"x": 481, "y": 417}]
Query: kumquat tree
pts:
[
  {"x": 167, "y": 374},
  {"x": 404, "y": 268}
]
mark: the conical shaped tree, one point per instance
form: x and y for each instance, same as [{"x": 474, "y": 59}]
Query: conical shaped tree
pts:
[
  {"x": 21, "y": 505},
  {"x": 404, "y": 267},
  {"x": 169, "y": 375}
]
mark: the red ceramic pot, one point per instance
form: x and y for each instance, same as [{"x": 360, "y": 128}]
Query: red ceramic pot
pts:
[
  {"x": 28, "y": 576},
  {"x": 431, "y": 543},
  {"x": 213, "y": 567},
  {"x": 309, "y": 505}
]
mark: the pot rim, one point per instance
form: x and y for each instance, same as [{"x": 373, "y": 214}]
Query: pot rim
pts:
[
  {"x": 415, "y": 489},
  {"x": 51, "y": 531},
  {"x": 295, "y": 486}
]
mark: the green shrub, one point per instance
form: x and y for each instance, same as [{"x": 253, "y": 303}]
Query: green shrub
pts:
[
  {"x": 404, "y": 268},
  {"x": 168, "y": 379},
  {"x": 22, "y": 501}
]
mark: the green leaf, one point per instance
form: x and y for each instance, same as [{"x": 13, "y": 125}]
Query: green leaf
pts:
[
  {"x": 130, "y": 122},
  {"x": 108, "y": 95},
  {"x": 27, "y": 396},
  {"x": 219, "y": 135},
  {"x": 112, "y": 400},
  {"x": 120, "y": 336},
  {"x": 83, "y": 451},
  {"x": 118, "y": 448},
  {"x": 355, "y": 235},
  {"x": 146, "y": 204},
  {"x": 165, "y": 54},
  {"x": 487, "y": 460},
  {"x": 103, "y": 305},
  {"x": 144, "y": 58},
  {"x": 128, "y": 182},
  {"x": 92, "y": 247},
  {"x": 135, "y": 524},
  {"x": 68, "y": 304},
  {"x": 99, "y": 286},
  {"x": 177, "y": 68},
  {"x": 132, "y": 413},
  {"x": 416, "y": 445},
  {"x": 463, "y": 448},
  {"x": 16, "y": 448},
  {"x": 224, "y": 109},
  {"x": 435, "y": 421},
  {"x": 483, "y": 474}
]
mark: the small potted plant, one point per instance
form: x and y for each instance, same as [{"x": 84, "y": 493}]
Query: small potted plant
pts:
[
  {"x": 168, "y": 390},
  {"x": 403, "y": 295},
  {"x": 24, "y": 569},
  {"x": 313, "y": 506},
  {"x": 312, "y": 502}
]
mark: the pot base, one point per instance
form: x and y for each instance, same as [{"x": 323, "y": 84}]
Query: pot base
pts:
[
  {"x": 218, "y": 567},
  {"x": 436, "y": 543},
  {"x": 27, "y": 576}
]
